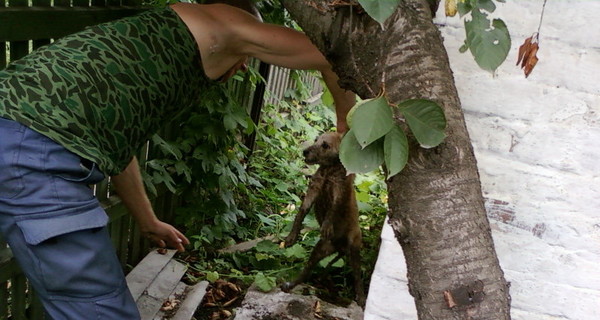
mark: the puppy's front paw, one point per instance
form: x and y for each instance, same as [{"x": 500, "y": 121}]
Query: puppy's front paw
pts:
[
  {"x": 326, "y": 230},
  {"x": 287, "y": 286}
]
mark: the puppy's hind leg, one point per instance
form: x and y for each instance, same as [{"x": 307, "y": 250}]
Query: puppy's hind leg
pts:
[
  {"x": 321, "y": 250},
  {"x": 359, "y": 291}
]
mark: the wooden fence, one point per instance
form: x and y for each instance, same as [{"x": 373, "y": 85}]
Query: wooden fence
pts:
[{"x": 24, "y": 28}]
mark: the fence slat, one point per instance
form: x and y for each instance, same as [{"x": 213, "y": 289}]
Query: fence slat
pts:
[
  {"x": 36, "y": 310},
  {"x": 2, "y": 55},
  {"x": 18, "y": 49},
  {"x": 18, "y": 288},
  {"x": 40, "y": 42},
  {"x": 3, "y": 300},
  {"x": 55, "y": 22}
]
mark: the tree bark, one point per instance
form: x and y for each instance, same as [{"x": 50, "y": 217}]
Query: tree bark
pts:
[{"x": 436, "y": 205}]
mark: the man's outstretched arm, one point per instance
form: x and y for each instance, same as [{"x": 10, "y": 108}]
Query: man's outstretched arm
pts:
[
  {"x": 130, "y": 188},
  {"x": 292, "y": 49}
]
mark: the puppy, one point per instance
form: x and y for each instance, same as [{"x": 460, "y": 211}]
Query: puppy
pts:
[{"x": 331, "y": 192}]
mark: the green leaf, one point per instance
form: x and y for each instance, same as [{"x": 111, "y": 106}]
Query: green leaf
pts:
[
  {"x": 327, "y": 98},
  {"x": 371, "y": 120},
  {"x": 464, "y": 7},
  {"x": 262, "y": 256},
  {"x": 264, "y": 283},
  {"x": 426, "y": 120},
  {"x": 338, "y": 264},
  {"x": 489, "y": 44},
  {"x": 266, "y": 246},
  {"x": 296, "y": 251},
  {"x": 166, "y": 147},
  {"x": 395, "y": 150},
  {"x": 229, "y": 122},
  {"x": 487, "y": 5},
  {"x": 357, "y": 159},
  {"x": 379, "y": 10},
  {"x": 212, "y": 276}
]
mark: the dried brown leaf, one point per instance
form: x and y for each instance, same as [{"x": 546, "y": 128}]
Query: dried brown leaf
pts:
[
  {"x": 449, "y": 299},
  {"x": 528, "y": 54},
  {"x": 233, "y": 287},
  {"x": 523, "y": 49},
  {"x": 226, "y": 314},
  {"x": 228, "y": 303}
]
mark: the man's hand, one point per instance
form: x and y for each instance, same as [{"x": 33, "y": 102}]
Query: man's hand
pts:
[
  {"x": 165, "y": 235},
  {"x": 130, "y": 188}
]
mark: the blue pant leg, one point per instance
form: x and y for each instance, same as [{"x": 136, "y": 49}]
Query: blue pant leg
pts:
[{"x": 57, "y": 229}]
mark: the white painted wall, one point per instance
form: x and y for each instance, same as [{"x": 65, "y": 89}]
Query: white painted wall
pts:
[{"x": 537, "y": 143}]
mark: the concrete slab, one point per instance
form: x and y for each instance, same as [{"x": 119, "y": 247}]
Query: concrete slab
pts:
[{"x": 288, "y": 306}]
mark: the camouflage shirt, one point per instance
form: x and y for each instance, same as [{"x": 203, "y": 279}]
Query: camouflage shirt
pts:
[{"x": 102, "y": 92}]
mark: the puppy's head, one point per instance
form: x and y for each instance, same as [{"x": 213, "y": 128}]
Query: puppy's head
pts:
[{"x": 325, "y": 150}]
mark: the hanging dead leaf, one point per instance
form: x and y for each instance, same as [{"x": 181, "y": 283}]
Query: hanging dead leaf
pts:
[
  {"x": 451, "y": 8},
  {"x": 527, "y": 54}
]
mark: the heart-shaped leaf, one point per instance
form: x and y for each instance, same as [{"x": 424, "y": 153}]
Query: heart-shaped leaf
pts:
[
  {"x": 379, "y": 10},
  {"x": 370, "y": 120},
  {"x": 357, "y": 159},
  {"x": 489, "y": 44},
  {"x": 426, "y": 120}
]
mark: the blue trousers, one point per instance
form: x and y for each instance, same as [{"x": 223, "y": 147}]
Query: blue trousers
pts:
[{"x": 56, "y": 228}]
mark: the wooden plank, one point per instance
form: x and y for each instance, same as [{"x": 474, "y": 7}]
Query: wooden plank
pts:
[
  {"x": 8, "y": 270},
  {"x": 123, "y": 245},
  {"x": 136, "y": 245},
  {"x": 116, "y": 232},
  {"x": 3, "y": 300},
  {"x": 40, "y": 42},
  {"x": 179, "y": 291},
  {"x": 147, "y": 306},
  {"x": 19, "y": 24},
  {"x": 144, "y": 273},
  {"x": 192, "y": 301},
  {"x": 19, "y": 301},
  {"x": 36, "y": 310},
  {"x": 167, "y": 280},
  {"x": 20, "y": 48},
  {"x": 62, "y": 3},
  {"x": 2, "y": 55},
  {"x": 160, "y": 289}
]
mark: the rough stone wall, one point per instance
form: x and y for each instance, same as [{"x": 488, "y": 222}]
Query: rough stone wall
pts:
[{"x": 537, "y": 143}]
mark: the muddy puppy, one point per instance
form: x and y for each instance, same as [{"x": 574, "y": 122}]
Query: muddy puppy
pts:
[{"x": 331, "y": 192}]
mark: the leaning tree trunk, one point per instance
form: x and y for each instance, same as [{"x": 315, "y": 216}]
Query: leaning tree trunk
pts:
[{"x": 436, "y": 205}]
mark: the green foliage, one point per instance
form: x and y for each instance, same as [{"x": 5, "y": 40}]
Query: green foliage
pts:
[
  {"x": 203, "y": 163},
  {"x": 268, "y": 264},
  {"x": 374, "y": 139},
  {"x": 227, "y": 198},
  {"x": 488, "y": 41}
]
